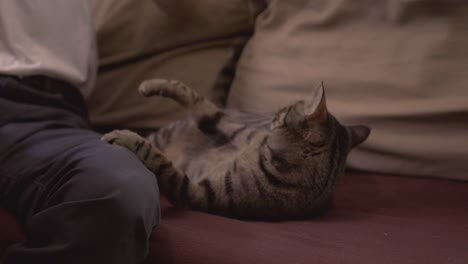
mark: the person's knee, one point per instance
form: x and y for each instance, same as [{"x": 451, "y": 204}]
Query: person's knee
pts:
[
  {"x": 133, "y": 187},
  {"x": 135, "y": 194},
  {"x": 114, "y": 176}
]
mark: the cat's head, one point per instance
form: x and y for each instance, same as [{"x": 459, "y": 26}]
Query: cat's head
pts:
[
  {"x": 311, "y": 123},
  {"x": 309, "y": 147}
]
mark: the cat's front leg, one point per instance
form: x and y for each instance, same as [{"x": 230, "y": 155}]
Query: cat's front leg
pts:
[
  {"x": 173, "y": 183},
  {"x": 140, "y": 146},
  {"x": 124, "y": 138},
  {"x": 150, "y": 155}
]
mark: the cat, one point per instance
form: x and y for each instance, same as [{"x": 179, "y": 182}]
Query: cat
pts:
[{"x": 241, "y": 165}]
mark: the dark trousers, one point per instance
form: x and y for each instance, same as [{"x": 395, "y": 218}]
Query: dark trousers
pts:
[{"x": 79, "y": 199}]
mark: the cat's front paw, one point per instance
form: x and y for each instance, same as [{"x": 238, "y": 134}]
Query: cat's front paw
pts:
[{"x": 124, "y": 138}]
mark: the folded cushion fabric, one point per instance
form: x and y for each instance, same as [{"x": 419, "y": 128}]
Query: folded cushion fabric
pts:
[
  {"x": 139, "y": 40},
  {"x": 396, "y": 66}
]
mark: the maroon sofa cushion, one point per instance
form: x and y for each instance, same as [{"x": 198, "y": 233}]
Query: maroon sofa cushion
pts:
[
  {"x": 10, "y": 231},
  {"x": 375, "y": 219}
]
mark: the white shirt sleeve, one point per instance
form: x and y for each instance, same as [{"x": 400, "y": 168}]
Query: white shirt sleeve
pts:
[{"x": 48, "y": 37}]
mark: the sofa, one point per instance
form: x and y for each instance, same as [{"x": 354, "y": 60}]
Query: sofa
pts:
[
  {"x": 375, "y": 219},
  {"x": 396, "y": 66}
]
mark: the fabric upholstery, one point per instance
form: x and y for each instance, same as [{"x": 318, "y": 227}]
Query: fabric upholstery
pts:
[
  {"x": 10, "y": 230},
  {"x": 375, "y": 219},
  {"x": 396, "y": 66},
  {"x": 139, "y": 40}
]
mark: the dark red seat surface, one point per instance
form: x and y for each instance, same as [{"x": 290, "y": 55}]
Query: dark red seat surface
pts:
[{"x": 376, "y": 219}]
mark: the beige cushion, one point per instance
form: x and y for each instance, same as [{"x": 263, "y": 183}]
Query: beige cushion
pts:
[
  {"x": 138, "y": 40},
  {"x": 397, "y": 66}
]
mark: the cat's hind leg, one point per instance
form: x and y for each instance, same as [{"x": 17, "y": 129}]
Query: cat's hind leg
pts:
[
  {"x": 181, "y": 93},
  {"x": 209, "y": 118}
]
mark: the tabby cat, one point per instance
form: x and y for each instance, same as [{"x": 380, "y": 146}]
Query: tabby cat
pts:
[{"x": 246, "y": 166}]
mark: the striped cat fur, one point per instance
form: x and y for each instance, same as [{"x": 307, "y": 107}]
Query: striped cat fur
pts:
[{"x": 241, "y": 165}]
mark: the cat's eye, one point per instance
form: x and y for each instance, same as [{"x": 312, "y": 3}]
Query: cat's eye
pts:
[{"x": 318, "y": 144}]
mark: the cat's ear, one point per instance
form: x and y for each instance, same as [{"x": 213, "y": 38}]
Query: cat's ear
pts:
[
  {"x": 358, "y": 134},
  {"x": 317, "y": 109}
]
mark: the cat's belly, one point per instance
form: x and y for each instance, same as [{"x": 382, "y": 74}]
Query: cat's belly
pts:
[{"x": 197, "y": 162}]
